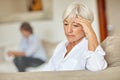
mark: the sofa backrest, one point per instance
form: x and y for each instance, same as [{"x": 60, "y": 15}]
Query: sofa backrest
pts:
[
  {"x": 49, "y": 47},
  {"x": 111, "y": 45}
]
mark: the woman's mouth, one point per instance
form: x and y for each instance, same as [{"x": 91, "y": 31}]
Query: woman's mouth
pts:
[{"x": 70, "y": 35}]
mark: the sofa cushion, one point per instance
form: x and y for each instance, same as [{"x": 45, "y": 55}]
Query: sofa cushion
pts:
[
  {"x": 111, "y": 45},
  {"x": 49, "y": 47},
  {"x": 111, "y": 73}
]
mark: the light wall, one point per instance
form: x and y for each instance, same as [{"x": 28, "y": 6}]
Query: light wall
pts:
[
  {"x": 113, "y": 16},
  {"x": 51, "y": 30}
]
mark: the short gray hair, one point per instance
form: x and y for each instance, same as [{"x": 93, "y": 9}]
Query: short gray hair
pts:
[{"x": 79, "y": 9}]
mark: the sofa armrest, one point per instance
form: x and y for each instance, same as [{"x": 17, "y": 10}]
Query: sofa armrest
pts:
[{"x": 111, "y": 73}]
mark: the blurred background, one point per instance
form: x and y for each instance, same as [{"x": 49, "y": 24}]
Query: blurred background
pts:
[{"x": 46, "y": 20}]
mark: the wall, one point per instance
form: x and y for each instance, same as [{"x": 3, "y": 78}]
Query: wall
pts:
[
  {"x": 51, "y": 30},
  {"x": 113, "y": 16}
]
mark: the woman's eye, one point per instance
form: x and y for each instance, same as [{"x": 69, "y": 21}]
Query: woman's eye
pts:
[
  {"x": 65, "y": 24},
  {"x": 75, "y": 25}
]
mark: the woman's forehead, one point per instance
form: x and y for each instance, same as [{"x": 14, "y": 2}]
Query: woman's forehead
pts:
[{"x": 70, "y": 18}]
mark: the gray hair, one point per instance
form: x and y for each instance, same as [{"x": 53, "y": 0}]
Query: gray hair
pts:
[{"x": 79, "y": 9}]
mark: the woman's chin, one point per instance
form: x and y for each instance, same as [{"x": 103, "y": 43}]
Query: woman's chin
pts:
[{"x": 71, "y": 40}]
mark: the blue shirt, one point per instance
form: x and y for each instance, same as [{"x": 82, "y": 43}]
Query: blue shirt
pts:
[{"x": 33, "y": 47}]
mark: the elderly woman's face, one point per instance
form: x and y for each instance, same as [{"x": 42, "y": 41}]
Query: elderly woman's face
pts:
[{"x": 73, "y": 30}]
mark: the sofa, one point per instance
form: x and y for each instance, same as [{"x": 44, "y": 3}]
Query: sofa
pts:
[
  {"x": 111, "y": 45},
  {"x": 6, "y": 62}
]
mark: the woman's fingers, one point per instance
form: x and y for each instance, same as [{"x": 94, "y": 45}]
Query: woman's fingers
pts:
[{"x": 86, "y": 24}]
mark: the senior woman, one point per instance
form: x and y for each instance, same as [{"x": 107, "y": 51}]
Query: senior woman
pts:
[{"x": 81, "y": 50}]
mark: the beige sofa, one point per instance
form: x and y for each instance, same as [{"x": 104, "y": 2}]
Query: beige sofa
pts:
[
  {"x": 112, "y": 47},
  {"x": 6, "y": 62}
]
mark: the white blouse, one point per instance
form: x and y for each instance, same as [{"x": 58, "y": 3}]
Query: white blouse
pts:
[{"x": 79, "y": 58}]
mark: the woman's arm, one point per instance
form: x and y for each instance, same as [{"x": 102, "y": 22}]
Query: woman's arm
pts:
[
  {"x": 90, "y": 34},
  {"x": 95, "y": 60}
]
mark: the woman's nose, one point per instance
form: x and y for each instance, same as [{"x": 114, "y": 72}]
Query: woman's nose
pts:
[{"x": 69, "y": 29}]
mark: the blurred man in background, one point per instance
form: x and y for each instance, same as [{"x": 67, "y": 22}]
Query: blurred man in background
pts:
[{"x": 31, "y": 53}]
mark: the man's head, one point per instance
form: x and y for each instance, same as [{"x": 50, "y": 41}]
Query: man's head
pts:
[{"x": 26, "y": 29}]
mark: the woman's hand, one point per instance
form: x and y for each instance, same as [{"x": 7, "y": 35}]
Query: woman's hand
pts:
[
  {"x": 90, "y": 34},
  {"x": 86, "y": 24}
]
